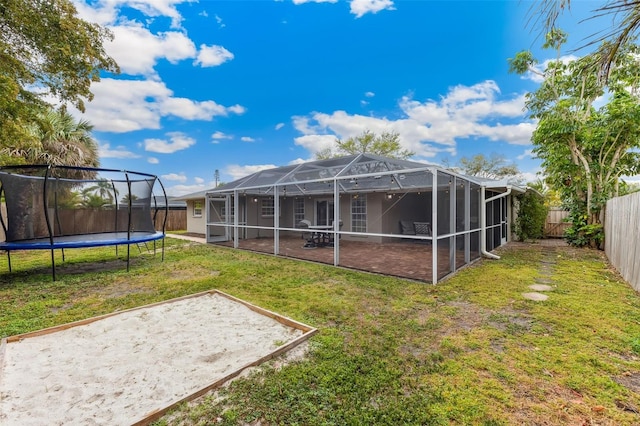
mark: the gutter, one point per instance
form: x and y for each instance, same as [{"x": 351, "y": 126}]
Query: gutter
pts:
[{"x": 483, "y": 221}]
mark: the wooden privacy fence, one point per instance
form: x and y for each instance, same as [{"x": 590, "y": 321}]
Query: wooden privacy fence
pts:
[
  {"x": 92, "y": 220},
  {"x": 622, "y": 236},
  {"x": 176, "y": 221},
  {"x": 86, "y": 221},
  {"x": 555, "y": 225}
]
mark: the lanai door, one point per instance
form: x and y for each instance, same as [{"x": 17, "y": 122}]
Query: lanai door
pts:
[
  {"x": 218, "y": 219},
  {"x": 324, "y": 212}
]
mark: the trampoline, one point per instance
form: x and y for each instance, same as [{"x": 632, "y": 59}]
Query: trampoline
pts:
[{"x": 64, "y": 207}]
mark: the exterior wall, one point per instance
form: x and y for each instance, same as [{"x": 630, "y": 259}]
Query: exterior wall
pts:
[
  {"x": 383, "y": 215},
  {"x": 622, "y": 236},
  {"x": 196, "y": 224}
]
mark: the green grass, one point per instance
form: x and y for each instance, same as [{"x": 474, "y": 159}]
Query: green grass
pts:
[{"x": 470, "y": 350}]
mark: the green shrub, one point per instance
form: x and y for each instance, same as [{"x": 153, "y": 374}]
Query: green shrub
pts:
[{"x": 532, "y": 215}]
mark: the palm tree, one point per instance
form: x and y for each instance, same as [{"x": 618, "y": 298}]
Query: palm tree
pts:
[
  {"x": 105, "y": 189},
  {"x": 625, "y": 18},
  {"x": 61, "y": 140},
  {"x": 55, "y": 138},
  {"x": 91, "y": 200}
]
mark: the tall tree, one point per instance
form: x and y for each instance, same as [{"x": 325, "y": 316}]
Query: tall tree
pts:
[
  {"x": 584, "y": 149},
  {"x": 492, "y": 167},
  {"x": 59, "y": 140},
  {"x": 386, "y": 144},
  {"x": 46, "y": 51},
  {"x": 625, "y": 24}
]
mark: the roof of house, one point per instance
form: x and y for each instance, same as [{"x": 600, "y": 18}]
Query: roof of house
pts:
[
  {"x": 360, "y": 172},
  {"x": 173, "y": 202}
]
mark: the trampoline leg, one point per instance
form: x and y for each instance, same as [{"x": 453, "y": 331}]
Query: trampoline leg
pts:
[
  {"x": 9, "y": 259},
  {"x": 63, "y": 259},
  {"x": 162, "y": 249},
  {"x": 128, "y": 254},
  {"x": 53, "y": 264}
]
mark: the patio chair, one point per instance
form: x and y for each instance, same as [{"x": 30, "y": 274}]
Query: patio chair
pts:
[
  {"x": 333, "y": 227},
  {"x": 304, "y": 224}
]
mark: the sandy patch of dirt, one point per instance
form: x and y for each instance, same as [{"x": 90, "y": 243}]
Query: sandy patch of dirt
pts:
[{"x": 119, "y": 369}]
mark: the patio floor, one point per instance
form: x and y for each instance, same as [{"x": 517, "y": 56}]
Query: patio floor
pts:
[{"x": 406, "y": 259}]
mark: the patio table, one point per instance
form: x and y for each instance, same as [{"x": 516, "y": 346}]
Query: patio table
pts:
[{"x": 319, "y": 236}]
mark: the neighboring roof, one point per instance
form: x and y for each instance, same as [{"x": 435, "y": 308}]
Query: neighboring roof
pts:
[
  {"x": 356, "y": 172},
  {"x": 200, "y": 195},
  {"x": 174, "y": 202}
]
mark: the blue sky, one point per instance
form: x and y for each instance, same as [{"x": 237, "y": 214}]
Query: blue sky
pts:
[{"x": 238, "y": 86}]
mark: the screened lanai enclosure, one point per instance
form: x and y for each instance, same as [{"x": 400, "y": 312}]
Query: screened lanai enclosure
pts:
[{"x": 365, "y": 212}]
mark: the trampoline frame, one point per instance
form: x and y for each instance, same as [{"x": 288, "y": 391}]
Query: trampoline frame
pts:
[{"x": 53, "y": 242}]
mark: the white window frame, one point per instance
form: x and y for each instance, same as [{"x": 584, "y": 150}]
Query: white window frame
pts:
[
  {"x": 267, "y": 210},
  {"x": 358, "y": 213},
  {"x": 298, "y": 214},
  {"x": 197, "y": 208}
]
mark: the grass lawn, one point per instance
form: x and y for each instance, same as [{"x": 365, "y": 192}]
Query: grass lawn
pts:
[{"x": 470, "y": 350}]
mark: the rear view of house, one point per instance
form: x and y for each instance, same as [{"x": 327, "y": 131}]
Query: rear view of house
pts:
[{"x": 364, "y": 211}]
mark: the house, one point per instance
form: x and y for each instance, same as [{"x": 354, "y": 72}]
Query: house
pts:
[{"x": 393, "y": 216}]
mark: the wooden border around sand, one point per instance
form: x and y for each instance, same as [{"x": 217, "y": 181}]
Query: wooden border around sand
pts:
[{"x": 149, "y": 417}]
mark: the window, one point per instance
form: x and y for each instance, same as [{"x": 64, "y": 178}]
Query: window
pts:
[
  {"x": 298, "y": 210},
  {"x": 359, "y": 213},
  {"x": 267, "y": 207},
  {"x": 197, "y": 208}
]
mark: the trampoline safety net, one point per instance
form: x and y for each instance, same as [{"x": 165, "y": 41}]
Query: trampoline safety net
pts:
[{"x": 56, "y": 202}]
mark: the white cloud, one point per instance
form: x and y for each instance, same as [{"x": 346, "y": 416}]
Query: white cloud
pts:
[
  {"x": 178, "y": 190},
  {"x": 315, "y": 143},
  {"x": 237, "y": 109},
  {"x": 137, "y": 50},
  {"x": 525, "y": 154},
  {"x": 314, "y": 1},
  {"x": 106, "y": 11},
  {"x": 538, "y": 75},
  {"x": 219, "y": 21},
  {"x": 431, "y": 126},
  {"x": 175, "y": 177},
  {"x": 218, "y": 135},
  {"x": 247, "y": 139},
  {"x": 178, "y": 142},
  {"x": 528, "y": 177},
  {"x": 212, "y": 56},
  {"x": 369, "y": 94},
  {"x": 192, "y": 110},
  {"x": 128, "y": 105},
  {"x": 362, "y": 7},
  {"x": 358, "y": 7},
  {"x": 153, "y": 160},
  {"x": 299, "y": 161},
  {"x": 198, "y": 180},
  {"x": 236, "y": 171},
  {"x": 105, "y": 151},
  {"x": 279, "y": 126}
]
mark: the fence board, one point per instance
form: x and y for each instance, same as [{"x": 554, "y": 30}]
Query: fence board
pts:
[
  {"x": 176, "y": 221},
  {"x": 622, "y": 233},
  {"x": 84, "y": 221},
  {"x": 555, "y": 225}
]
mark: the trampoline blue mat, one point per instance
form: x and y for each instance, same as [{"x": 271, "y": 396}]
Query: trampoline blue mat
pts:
[{"x": 84, "y": 240}]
